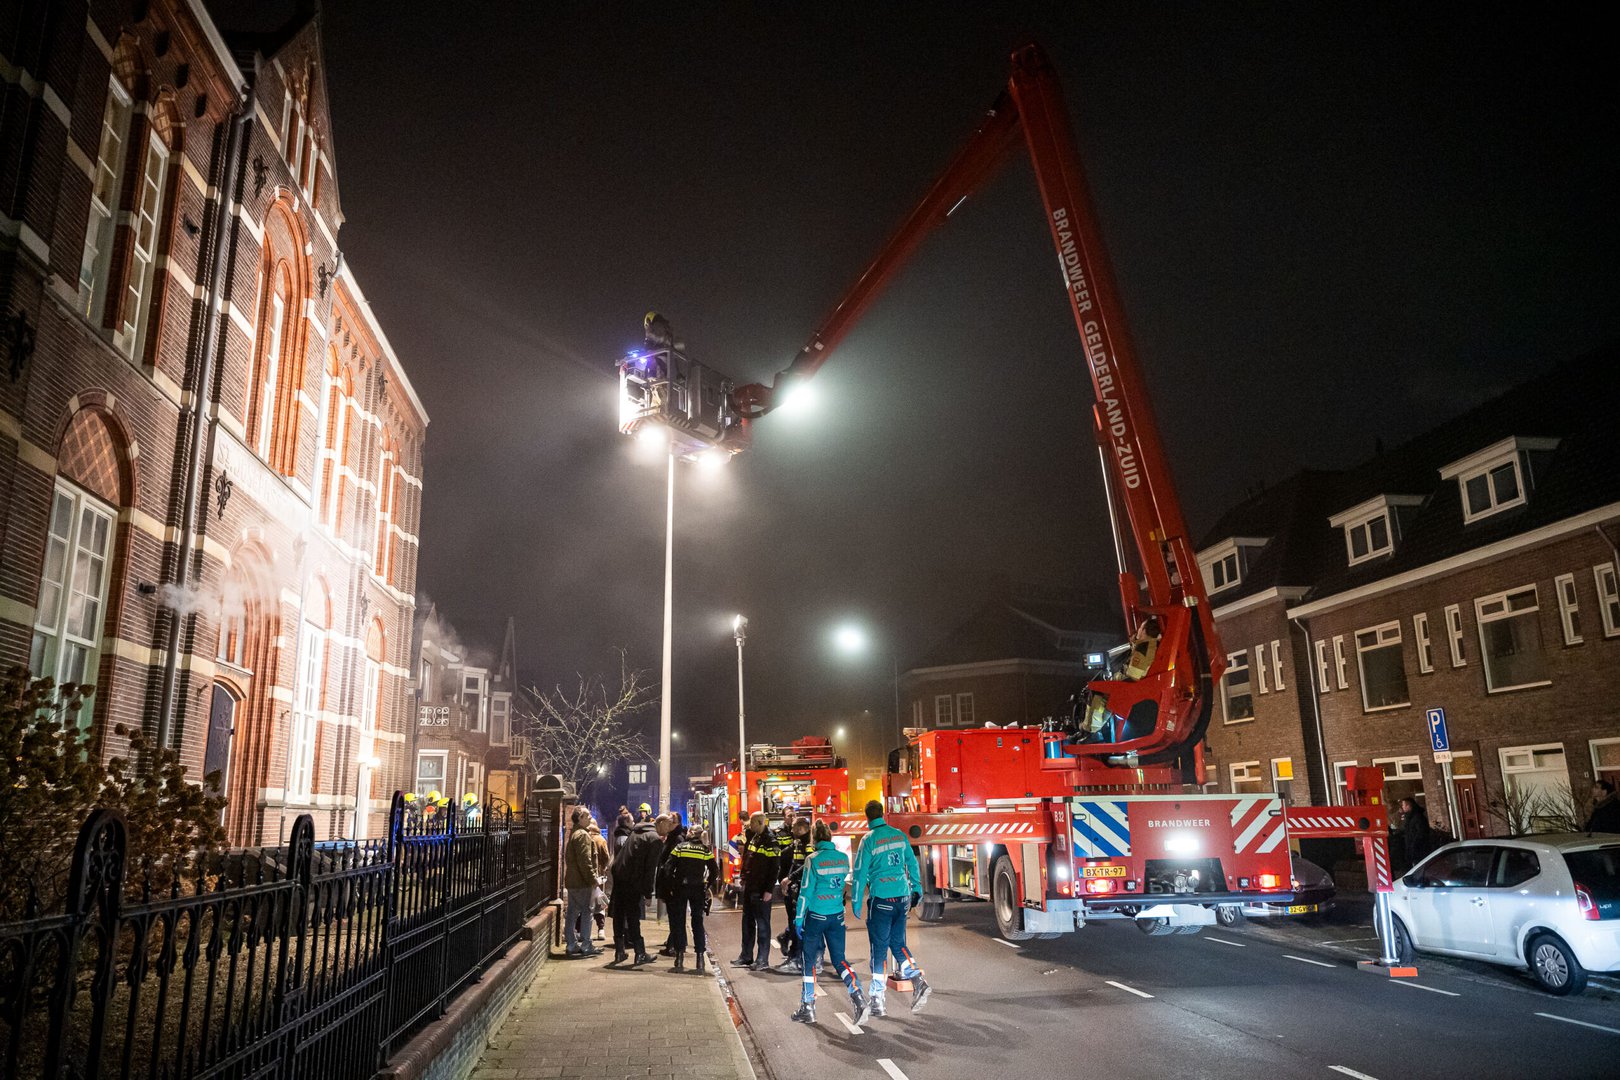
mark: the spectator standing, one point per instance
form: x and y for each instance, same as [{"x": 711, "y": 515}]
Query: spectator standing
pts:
[
  {"x": 635, "y": 872},
  {"x": 1417, "y": 835},
  {"x": 604, "y": 860},
  {"x": 579, "y": 883},
  {"x": 1605, "y": 808}
]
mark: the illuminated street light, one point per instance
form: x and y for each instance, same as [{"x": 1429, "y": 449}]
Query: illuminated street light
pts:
[
  {"x": 739, "y": 630},
  {"x": 850, "y": 639}
]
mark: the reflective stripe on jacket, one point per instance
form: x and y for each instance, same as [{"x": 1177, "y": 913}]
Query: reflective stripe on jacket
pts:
[
  {"x": 821, "y": 884},
  {"x": 886, "y": 866}
]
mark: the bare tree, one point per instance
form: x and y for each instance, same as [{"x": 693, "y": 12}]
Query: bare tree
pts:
[{"x": 578, "y": 733}]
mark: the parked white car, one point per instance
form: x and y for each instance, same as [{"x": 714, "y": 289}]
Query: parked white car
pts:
[{"x": 1549, "y": 903}]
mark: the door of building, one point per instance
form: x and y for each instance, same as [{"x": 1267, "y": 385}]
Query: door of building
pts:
[
  {"x": 1470, "y": 797},
  {"x": 221, "y": 724}
]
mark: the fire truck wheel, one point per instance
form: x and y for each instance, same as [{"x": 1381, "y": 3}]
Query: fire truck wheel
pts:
[
  {"x": 1004, "y": 894},
  {"x": 1188, "y": 931},
  {"x": 1229, "y": 915},
  {"x": 1155, "y": 927}
]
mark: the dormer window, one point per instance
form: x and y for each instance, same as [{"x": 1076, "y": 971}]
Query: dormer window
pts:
[
  {"x": 1496, "y": 478},
  {"x": 1223, "y": 565},
  {"x": 1370, "y": 528}
]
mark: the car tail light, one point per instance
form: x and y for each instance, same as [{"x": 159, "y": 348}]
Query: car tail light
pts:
[
  {"x": 1583, "y": 900},
  {"x": 1063, "y": 888},
  {"x": 1100, "y": 885},
  {"x": 1270, "y": 881}
]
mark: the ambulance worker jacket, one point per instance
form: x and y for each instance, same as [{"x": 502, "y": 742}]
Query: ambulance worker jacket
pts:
[
  {"x": 763, "y": 862},
  {"x": 886, "y": 867},
  {"x": 692, "y": 870},
  {"x": 821, "y": 886}
]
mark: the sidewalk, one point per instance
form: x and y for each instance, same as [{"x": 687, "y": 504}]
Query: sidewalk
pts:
[{"x": 581, "y": 1019}]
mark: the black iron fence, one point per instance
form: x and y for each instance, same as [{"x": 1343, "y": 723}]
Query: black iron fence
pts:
[{"x": 309, "y": 960}]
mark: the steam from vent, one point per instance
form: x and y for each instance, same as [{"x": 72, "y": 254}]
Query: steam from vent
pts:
[{"x": 226, "y": 600}]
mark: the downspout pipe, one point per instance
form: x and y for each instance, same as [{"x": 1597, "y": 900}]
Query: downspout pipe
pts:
[
  {"x": 1329, "y": 791},
  {"x": 202, "y": 392}
]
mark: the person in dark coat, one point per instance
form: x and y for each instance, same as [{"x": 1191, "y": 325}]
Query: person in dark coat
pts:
[
  {"x": 635, "y": 872},
  {"x": 1417, "y": 836},
  {"x": 666, "y": 824},
  {"x": 763, "y": 851},
  {"x": 1605, "y": 808}
]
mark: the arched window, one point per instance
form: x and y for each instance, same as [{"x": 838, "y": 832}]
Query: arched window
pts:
[
  {"x": 371, "y": 703},
  {"x": 147, "y": 220},
  {"x": 75, "y": 580},
  {"x": 278, "y": 355},
  {"x": 106, "y": 188},
  {"x": 385, "y": 503},
  {"x": 335, "y": 440},
  {"x": 309, "y": 692}
]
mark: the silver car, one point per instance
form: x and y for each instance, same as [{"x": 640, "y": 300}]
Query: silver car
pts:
[{"x": 1547, "y": 903}]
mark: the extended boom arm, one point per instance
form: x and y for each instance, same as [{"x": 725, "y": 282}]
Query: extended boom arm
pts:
[{"x": 1156, "y": 713}]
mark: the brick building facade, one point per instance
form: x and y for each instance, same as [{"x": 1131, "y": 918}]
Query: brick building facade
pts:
[
  {"x": 210, "y": 456},
  {"x": 1471, "y": 570},
  {"x": 1014, "y": 661},
  {"x": 464, "y": 742}
]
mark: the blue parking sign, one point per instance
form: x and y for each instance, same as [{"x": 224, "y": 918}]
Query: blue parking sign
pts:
[{"x": 1439, "y": 738}]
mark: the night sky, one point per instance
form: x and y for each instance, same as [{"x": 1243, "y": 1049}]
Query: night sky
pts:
[{"x": 1328, "y": 227}]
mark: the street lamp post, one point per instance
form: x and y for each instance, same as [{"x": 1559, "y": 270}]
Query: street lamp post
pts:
[
  {"x": 739, "y": 630},
  {"x": 853, "y": 640},
  {"x": 669, "y": 638}
]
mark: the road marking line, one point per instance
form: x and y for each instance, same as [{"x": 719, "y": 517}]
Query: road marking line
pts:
[
  {"x": 1420, "y": 986},
  {"x": 849, "y": 1025},
  {"x": 820, "y": 992},
  {"x": 1307, "y": 960},
  {"x": 1004, "y": 941},
  {"x": 1128, "y": 989},
  {"x": 1582, "y": 1023},
  {"x": 1223, "y": 941},
  {"x": 1351, "y": 1072},
  {"x": 892, "y": 1069}
]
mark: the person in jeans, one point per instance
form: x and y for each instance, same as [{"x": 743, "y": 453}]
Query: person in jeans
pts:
[
  {"x": 820, "y": 918},
  {"x": 635, "y": 869},
  {"x": 793, "y": 861},
  {"x": 579, "y": 883},
  {"x": 691, "y": 871},
  {"x": 762, "y": 869},
  {"x": 604, "y": 859},
  {"x": 887, "y": 874}
]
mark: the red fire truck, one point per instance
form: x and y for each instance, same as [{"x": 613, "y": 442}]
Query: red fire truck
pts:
[
  {"x": 806, "y": 775},
  {"x": 1103, "y": 815}
]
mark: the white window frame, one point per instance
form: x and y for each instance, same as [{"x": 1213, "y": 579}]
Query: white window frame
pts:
[
  {"x": 1365, "y": 525},
  {"x": 635, "y": 774},
  {"x": 1601, "y": 771},
  {"x": 1341, "y": 783},
  {"x": 1408, "y": 767},
  {"x": 1226, "y": 561},
  {"x": 1508, "y": 452},
  {"x": 307, "y": 692},
  {"x": 968, "y": 713},
  {"x": 106, "y": 184},
  {"x": 1509, "y": 771},
  {"x": 1481, "y": 619},
  {"x": 1387, "y": 635},
  {"x": 500, "y": 734},
  {"x": 54, "y": 640},
  {"x": 1232, "y": 664},
  {"x": 444, "y": 768},
  {"x": 1608, "y": 592},
  {"x": 1464, "y": 760},
  {"x": 146, "y": 226},
  {"x": 272, "y": 368},
  {"x": 944, "y": 716},
  {"x": 1454, "y": 635},
  {"x": 1260, "y": 666},
  {"x": 1425, "y": 647},
  {"x": 1277, "y": 665},
  {"x": 1250, "y": 774},
  {"x": 1340, "y": 664},
  {"x": 1322, "y": 682},
  {"x": 1569, "y": 608},
  {"x": 371, "y": 697}
]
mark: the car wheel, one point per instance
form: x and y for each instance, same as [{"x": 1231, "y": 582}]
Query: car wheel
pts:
[
  {"x": 1403, "y": 941},
  {"x": 1554, "y": 965},
  {"x": 1004, "y": 895},
  {"x": 1229, "y": 915}
]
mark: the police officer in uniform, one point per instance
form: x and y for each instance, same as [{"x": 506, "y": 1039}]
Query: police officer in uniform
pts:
[{"x": 692, "y": 871}]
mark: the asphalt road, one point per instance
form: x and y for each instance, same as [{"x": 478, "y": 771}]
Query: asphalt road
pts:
[{"x": 1265, "y": 1000}]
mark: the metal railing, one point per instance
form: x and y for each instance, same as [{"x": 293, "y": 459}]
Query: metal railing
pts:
[{"x": 308, "y": 960}]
